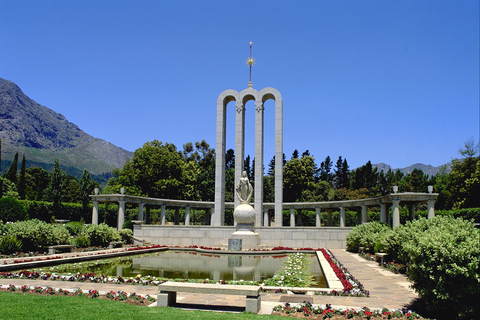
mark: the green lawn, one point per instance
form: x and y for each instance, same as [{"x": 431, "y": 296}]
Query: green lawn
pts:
[{"x": 29, "y": 306}]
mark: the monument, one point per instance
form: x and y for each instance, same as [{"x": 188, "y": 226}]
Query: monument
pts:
[{"x": 241, "y": 98}]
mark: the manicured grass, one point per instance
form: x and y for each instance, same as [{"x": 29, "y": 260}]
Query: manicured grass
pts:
[{"x": 29, "y": 306}]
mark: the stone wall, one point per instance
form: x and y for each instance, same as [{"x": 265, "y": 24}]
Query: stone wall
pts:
[{"x": 208, "y": 236}]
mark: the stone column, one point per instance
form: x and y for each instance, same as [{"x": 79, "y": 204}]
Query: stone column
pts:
[
  {"x": 430, "y": 206},
  {"x": 299, "y": 217},
  {"x": 162, "y": 215},
  {"x": 342, "y": 217},
  {"x": 329, "y": 219},
  {"x": 177, "y": 216},
  {"x": 396, "y": 213},
  {"x": 223, "y": 99},
  {"x": 121, "y": 214},
  {"x": 140, "y": 212},
  {"x": 259, "y": 140},
  {"x": 318, "y": 218},
  {"x": 292, "y": 217},
  {"x": 95, "y": 212},
  {"x": 239, "y": 145},
  {"x": 278, "y": 160},
  {"x": 383, "y": 212},
  {"x": 411, "y": 210},
  {"x": 364, "y": 214},
  {"x": 147, "y": 216},
  {"x": 187, "y": 215},
  {"x": 208, "y": 213},
  {"x": 265, "y": 218}
]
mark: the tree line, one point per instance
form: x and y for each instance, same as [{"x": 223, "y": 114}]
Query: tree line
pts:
[
  {"x": 160, "y": 170},
  {"x": 37, "y": 184}
]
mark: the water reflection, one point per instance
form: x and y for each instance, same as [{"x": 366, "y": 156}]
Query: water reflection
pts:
[{"x": 193, "y": 265}]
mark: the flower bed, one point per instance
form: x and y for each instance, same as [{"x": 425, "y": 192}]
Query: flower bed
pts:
[
  {"x": 307, "y": 310},
  {"x": 122, "y": 296},
  {"x": 351, "y": 286}
]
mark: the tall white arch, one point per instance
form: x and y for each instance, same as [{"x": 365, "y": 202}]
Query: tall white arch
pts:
[{"x": 241, "y": 99}]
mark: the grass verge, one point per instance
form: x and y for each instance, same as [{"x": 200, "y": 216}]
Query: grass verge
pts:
[{"x": 28, "y": 306}]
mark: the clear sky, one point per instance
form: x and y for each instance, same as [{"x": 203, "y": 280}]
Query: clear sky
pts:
[{"x": 386, "y": 81}]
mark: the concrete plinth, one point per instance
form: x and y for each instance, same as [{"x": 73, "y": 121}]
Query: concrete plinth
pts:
[{"x": 250, "y": 240}]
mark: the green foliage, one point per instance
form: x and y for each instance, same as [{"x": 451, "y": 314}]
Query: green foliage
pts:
[
  {"x": 443, "y": 255},
  {"x": 82, "y": 241},
  {"x": 12, "y": 210},
  {"x": 460, "y": 188},
  {"x": 74, "y": 227},
  {"x": 9, "y": 244},
  {"x": 56, "y": 187},
  {"x": 443, "y": 259},
  {"x": 367, "y": 235},
  {"x": 126, "y": 235},
  {"x": 100, "y": 235},
  {"x": 35, "y": 235},
  {"x": 86, "y": 188},
  {"x": 9, "y": 189},
  {"x": 69, "y": 211},
  {"x": 11, "y": 173},
  {"x": 36, "y": 182},
  {"x": 21, "y": 186}
]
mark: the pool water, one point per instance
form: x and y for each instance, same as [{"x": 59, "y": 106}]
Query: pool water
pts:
[{"x": 192, "y": 265}]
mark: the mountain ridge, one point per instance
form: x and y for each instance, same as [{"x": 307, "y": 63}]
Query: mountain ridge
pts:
[
  {"x": 426, "y": 168},
  {"x": 42, "y": 135}
]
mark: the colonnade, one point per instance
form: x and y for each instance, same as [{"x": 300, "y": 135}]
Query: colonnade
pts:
[{"x": 395, "y": 200}]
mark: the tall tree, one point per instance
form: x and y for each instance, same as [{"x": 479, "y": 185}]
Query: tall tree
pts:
[
  {"x": 325, "y": 170},
  {"x": 37, "y": 178},
  {"x": 156, "y": 170},
  {"x": 338, "y": 174},
  {"x": 295, "y": 154},
  {"x": 86, "y": 189},
  {"x": 11, "y": 173},
  {"x": 230, "y": 159},
  {"x": 55, "y": 190},
  {"x": 345, "y": 174},
  {"x": 247, "y": 168},
  {"x": 21, "y": 180}
]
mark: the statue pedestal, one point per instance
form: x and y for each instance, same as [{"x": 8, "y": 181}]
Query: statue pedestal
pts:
[
  {"x": 244, "y": 216},
  {"x": 250, "y": 240}
]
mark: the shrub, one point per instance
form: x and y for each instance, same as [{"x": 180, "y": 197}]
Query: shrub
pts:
[
  {"x": 35, "y": 234},
  {"x": 12, "y": 210},
  {"x": 74, "y": 227},
  {"x": 100, "y": 235},
  {"x": 367, "y": 235},
  {"x": 128, "y": 225},
  {"x": 126, "y": 235},
  {"x": 9, "y": 244},
  {"x": 443, "y": 259},
  {"x": 82, "y": 242}
]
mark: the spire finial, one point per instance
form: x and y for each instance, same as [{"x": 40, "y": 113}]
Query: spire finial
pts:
[{"x": 250, "y": 62}]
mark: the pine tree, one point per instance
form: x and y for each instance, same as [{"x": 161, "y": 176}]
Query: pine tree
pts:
[
  {"x": 246, "y": 167},
  {"x": 11, "y": 173},
  {"x": 21, "y": 187},
  {"x": 56, "y": 186},
  {"x": 86, "y": 188}
]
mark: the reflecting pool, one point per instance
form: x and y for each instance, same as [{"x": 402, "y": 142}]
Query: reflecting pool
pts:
[{"x": 193, "y": 265}]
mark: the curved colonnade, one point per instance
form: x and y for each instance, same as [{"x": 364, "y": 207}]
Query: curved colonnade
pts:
[{"x": 395, "y": 200}]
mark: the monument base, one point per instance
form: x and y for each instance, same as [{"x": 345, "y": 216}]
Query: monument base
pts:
[{"x": 250, "y": 240}]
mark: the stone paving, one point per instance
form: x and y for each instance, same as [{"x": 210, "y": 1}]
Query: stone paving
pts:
[{"x": 386, "y": 290}]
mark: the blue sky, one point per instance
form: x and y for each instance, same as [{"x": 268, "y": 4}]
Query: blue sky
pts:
[{"x": 386, "y": 81}]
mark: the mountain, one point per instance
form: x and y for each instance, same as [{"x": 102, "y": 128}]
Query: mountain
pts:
[
  {"x": 427, "y": 169},
  {"x": 43, "y": 135}
]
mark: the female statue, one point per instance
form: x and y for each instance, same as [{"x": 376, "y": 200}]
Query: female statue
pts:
[{"x": 244, "y": 189}]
